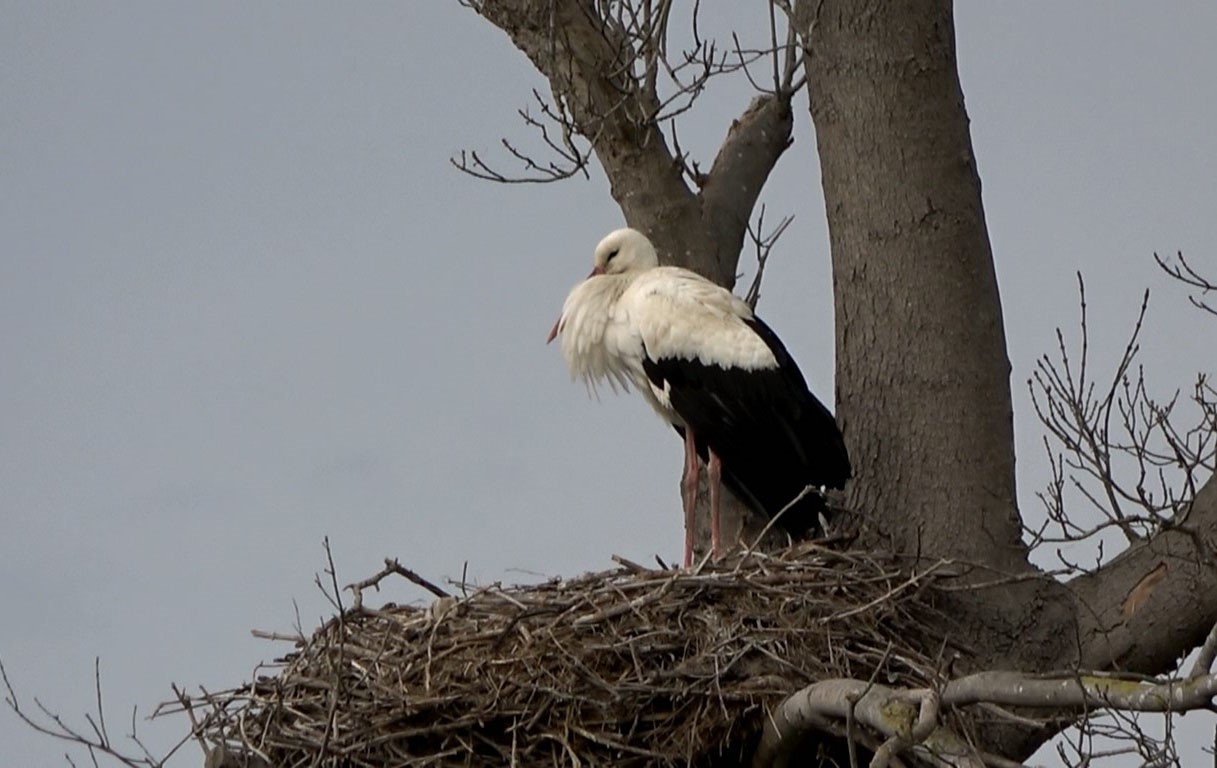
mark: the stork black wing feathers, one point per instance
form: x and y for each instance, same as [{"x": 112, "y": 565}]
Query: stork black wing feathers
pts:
[{"x": 773, "y": 436}]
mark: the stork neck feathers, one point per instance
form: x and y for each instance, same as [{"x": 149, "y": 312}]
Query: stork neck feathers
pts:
[{"x": 586, "y": 323}]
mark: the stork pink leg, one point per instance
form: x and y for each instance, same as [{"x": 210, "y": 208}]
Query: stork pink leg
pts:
[
  {"x": 688, "y": 492},
  {"x": 714, "y": 480}
]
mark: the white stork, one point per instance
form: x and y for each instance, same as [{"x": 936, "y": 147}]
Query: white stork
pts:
[{"x": 713, "y": 370}]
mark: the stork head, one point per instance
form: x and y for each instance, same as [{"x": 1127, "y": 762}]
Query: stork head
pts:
[
  {"x": 624, "y": 250},
  {"x": 621, "y": 252}
]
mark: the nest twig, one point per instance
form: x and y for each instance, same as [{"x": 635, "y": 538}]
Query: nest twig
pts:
[{"x": 627, "y": 667}]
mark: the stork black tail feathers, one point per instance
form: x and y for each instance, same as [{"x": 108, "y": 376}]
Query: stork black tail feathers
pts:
[{"x": 799, "y": 515}]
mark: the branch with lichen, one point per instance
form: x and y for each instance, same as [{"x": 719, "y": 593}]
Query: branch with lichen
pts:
[{"x": 909, "y": 720}]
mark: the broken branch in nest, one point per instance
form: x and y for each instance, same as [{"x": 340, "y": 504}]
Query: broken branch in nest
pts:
[{"x": 392, "y": 567}]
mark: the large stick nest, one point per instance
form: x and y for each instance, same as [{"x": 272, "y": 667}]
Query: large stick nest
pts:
[{"x": 627, "y": 667}]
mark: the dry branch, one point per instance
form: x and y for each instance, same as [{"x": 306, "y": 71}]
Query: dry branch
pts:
[
  {"x": 96, "y": 739},
  {"x": 1186, "y": 274},
  {"x": 1137, "y": 461},
  {"x": 1150, "y": 473}
]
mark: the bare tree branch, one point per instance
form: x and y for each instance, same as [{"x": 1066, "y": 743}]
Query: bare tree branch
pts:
[
  {"x": 99, "y": 740},
  {"x": 1118, "y": 448},
  {"x": 747, "y": 155},
  {"x": 603, "y": 63},
  {"x": 1187, "y": 274},
  {"x": 909, "y": 719},
  {"x": 763, "y": 243},
  {"x": 1151, "y": 477},
  {"x": 572, "y": 158},
  {"x": 589, "y": 60},
  {"x": 895, "y": 715}
]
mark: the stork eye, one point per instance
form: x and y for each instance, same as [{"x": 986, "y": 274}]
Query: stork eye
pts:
[{"x": 611, "y": 254}]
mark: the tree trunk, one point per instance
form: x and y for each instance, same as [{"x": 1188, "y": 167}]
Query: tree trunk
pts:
[{"x": 923, "y": 380}]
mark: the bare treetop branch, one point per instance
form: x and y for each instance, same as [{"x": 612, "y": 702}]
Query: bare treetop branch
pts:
[
  {"x": 603, "y": 62},
  {"x": 589, "y": 61}
]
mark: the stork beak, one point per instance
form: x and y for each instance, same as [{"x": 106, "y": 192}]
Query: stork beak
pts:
[{"x": 553, "y": 332}]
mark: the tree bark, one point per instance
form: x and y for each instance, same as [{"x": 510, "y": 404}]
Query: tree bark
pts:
[{"x": 923, "y": 379}]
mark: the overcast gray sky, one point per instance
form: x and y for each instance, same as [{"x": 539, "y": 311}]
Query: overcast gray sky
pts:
[{"x": 246, "y": 303}]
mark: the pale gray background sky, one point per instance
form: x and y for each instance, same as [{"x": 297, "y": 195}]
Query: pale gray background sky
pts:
[{"x": 245, "y": 303}]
